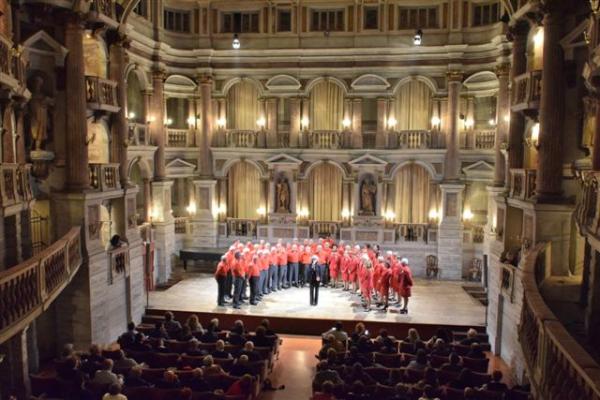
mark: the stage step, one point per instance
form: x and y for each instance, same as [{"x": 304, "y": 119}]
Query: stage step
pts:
[{"x": 479, "y": 293}]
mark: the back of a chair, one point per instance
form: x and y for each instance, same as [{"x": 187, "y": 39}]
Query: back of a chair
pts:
[
  {"x": 384, "y": 392},
  {"x": 431, "y": 261},
  {"x": 436, "y": 361},
  {"x": 167, "y": 394},
  {"x": 388, "y": 360},
  {"x": 164, "y": 360},
  {"x": 176, "y": 346},
  {"x": 265, "y": 352},
  {"x": 413, "y": 375},
  {"x": 454, "y": 394},
  {"x": 406, "y": 347},
  {"x": 233, "y": 348},
  {"x": 447, "y": 376},
  {"x": 258, "y": 368},
  {"x": 139, "y": 356},
  {"x": 477, "y": 379},
  {"x": 220, "y": 381},
  {"x": 491, "y": 395},
  {"x": 516, "y": 394},
  {"x": 112, "y": 354},
  {"x": 139, "y": 393},
  {"x": 152, "y": 374},
  {"x": 209, "y": 347},
  {"x": 42, "y": 384},
  {"x": 192, "y": 361},
  {"x": 381, "y": 375},
  {"x": 225, "y": 363},
  {"x": 407, "y": 358},
  {"x": 476, "y": 364},
  {"x": 205, "y": 396},
  {"x": 461, "y": 349}
]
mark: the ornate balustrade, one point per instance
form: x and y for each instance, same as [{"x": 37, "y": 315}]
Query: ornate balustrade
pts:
[
  {"x": 28, "y": 288},
  {"x": 180, "y": 224},
  {"x": 104, "y": 8},
  {"x": 522, "y": 183},
  {"x": 105, "y": 177},
  {"x": 526, "y": 91},
  {"x": 369, "y": 140},
  {"x": 15, "y": 184},
  {"x": 101, "y": 94},
  {"x": 325, "y": 140},
  {"x": 478, "y": 139},
  {"x": 559, "y": 368},
  {"x": 139, "y": 134},
  {"x": 586, "y": 213},
  {"x": 119, "y": 262},
  {"x": 241, "y": 227},
  {"x": 178, "y": 138},
  {"x": 241, "y": 138},
  {"x": 12, "y": 64},
  {"x": 324, "y": 228},
  {"x": 412, "y": 232}
]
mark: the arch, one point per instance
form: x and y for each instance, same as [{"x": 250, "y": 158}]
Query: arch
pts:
[
  {"x": 139, "y": 73},
  {"x": 179, "y": 85},
  {"x": 243, "y": 108},
  {"x": 414, "y": 194},
  {"x": 143, "y": 165},
  {"x": 326, "y": 102},
  {"x": 283, "y": 82},
  {"x": 311, "y": 84},
  {"x": 128, "y": 6},
  {"x": 413, "y": 106},
  {"x": 483, "y": 81},
  {"x": 243, "y": 190},
  {"x": 233, "y": 81},
  {"x": 135, "y": 98},
  {"x": 428, "y": 167},
  {"x": 229, "y": 163},
  {"x": 315, "y": 164},
  {"x": 370, "y": 82},
  {"x": 95, "y": 55},
  {"x": 421, "y": 78},
  {"x": 325, "y": 183}
]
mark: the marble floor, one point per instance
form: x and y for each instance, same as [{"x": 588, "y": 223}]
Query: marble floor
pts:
[{"x": 433, "y": 302}]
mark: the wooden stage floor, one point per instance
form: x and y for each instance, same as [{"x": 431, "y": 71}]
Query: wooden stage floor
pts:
[{"x": 432, "y": 303}]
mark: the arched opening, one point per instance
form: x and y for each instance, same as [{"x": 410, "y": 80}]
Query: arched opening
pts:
[
  {"x": 325, "y": 193},
  {"x": 243, "y": 191},
  {"x": 414, "y": 195},
  {"x": 137, "y": 178},
  {"x": 99, "y": 146},
  {"x": 135, "y": 99},
  {"x": 413, "y": 106},
  {"x": 326, "y": 106},
  {"x": 243, "y": 109},
  {"x": 94, "y": 56},
  {"x": 178, "y": 109}
]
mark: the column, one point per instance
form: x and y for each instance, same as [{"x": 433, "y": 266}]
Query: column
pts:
[
  {"x": 294, "y": 122},
  {"x": 271, "y": 117},
  {"x": 205, "y": 163},
  {"x": 14, "y": 369},
  {"x": 450, "y": 231},
  {"x": 516, "y": 128},
  {"x": 452, "y": 161},
  {"x": 596, "y": 147},
  {"x": 77, "y": 170},
  {"x": 549, "y": 172},
  {"x": 305, "y": 116},
  {"x": 158, "y": 125},
  {"x": 502, "y": 108},
  {"x": 118, "y": 62},
  {"x": 381, "y": 138},
  {"x": 20, "y": 133},
  {"x": 147, "y": 199},
  {"x": 357, "y": 135}
]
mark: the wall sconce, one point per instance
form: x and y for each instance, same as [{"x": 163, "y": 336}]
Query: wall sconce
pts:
[
  {"x": 221, "y": 122},
  {"x": 538, "y": 38},
  {"x": 346, "y": 123},
  {"x": 131, "y": 115},
  {"x": 435, "y": 122},
  {"x": 492, "y": 122},
  {"x": 302, "y": 213},
  {"x": 262, "y": 211},
  {"x": 169, "y": 121},
  {"x": 151, "y": 119},
  {"x": 391, "y": 122},
  {"x": 192, "y": 121},
  {"x": 304, "y": 123},
  {"x": 468, "y": 123},
  {"x": 191, "y": 208},
  {"x": 433, "y": 215},
  {"x": 155, "y": 214},
  {"x": 534, "y": 139},
  {"x": 507, "y": 118},
  {"x": 345, "y": 214},
  {"x": 235, "y": 43},
  {"x": 467, "y": 215},
  {"x": 418, "y": 38},
  {"x": 261, "y": 122},
  {"x": 389, "y": 216}
]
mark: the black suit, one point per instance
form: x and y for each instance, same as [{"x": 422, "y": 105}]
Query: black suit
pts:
[{"x": 314, "y": 279}]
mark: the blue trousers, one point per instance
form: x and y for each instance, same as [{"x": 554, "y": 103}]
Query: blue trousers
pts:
[
  {"x": 283, "y": 278},
  {"x": 272, "y": 278},
  {"x": 262, "y": 282},
  {"x": 293, "y": 273}
]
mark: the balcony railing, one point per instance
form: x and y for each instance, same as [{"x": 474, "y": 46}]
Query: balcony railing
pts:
[
  {"x": 180, "y": 224},
  {"x": 241, "y": 138},
  {"x": 324, "y": 228},
  {"x": 325, "y": 140},
  {"x": 139, "y": 134},
  {"x": 101, "y": 94},
  {"x": 178, "y": 137},
  {"x": 559, "y": 368},
  {"x": 15, "y": 184},
  {"x": 522, "y": 183},
  {"x": 12, "y": 63},
  {"x": 241, "y": 227},
  {"x": 105, "y": 177},
  {"x": 478, "y": 139},
  {"x": 526, "y": 91},
  {"x": 28, "y": 288},
  {"x": 412, "y": 232}
]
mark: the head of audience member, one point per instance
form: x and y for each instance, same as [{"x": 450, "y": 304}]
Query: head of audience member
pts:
[
  {"x": 430, "y": 375},
  {"x": 331, "y": 356},
  {"x": 358, "y": 387},
  {"x": 169, "y": 316},
  {"x": 68, "y": 350},
  {"x": 107, "y": 364},
  {"x": 383, "y": 333},
  {"x": 185, "y": 394},
  {"x": 135, "y": 372},
  {"x": 339, "y": 326},
  {"x": 114, "y": 389},
  {"x": 469, "y": 393},
  {"x": 139, "y": 338},
  {"x": 330, "y": 339},
  {"x": 439, "y": 343},
  {"x": 95, "y": 350},
  {"x": 131, "y": 326},
  {"x": 464, "y": 375},
  {"x": 322, "y": 365},
  {"x": 428, "y": 392},
  {"x": 249, "y": 346},
  {"x": 472, "y": 333},
  {"x": 327, "y": 388},
  {"x": 454, "y": 358},
  {"x": 497, "y": 376},
  {"x": 413, "y": 335},
  {"x": 220, "y": 345},
  {"x": 197, "y": 373},
  {"x": 359, "y": 328},
  {"x": 71, "y": 363},
  {"x": 442, "y": 333},
  {"x": 170, "y": 376},
  {"x": 120, "y": 355},
  {"x": 208, "y": 361},
  {"x": 421, "y": 357},
  {"x": 357, "y": 368},
  {"x": 260, "y": 331},
  {"x": 243, "y": 359},
  {"x": 238, "y": 326},
  {"x": 193, "y": 344},
  {"x": 400, "y": 389},
  {"x": 193, "y": 323}
]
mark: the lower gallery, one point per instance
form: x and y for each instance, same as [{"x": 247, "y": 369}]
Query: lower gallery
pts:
[{"x": 299, "y": 199}]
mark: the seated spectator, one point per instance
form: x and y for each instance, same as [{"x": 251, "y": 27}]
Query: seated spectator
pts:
[
  {"x": 359, "y": 330},
  {"x": 413, "y": 336},
  {"x": 265, "y": 323},
  {"x": 210, "y": 368},
  {"x": 462, "y": 381},
  {"x": 470, "y": 394},
  {"x": 68, "y": 351},
  {"x": 140, "y": 343},
  {"x": 220, "y": 351},
  {"x": 241, "y": 387},
  {"x": 93, "y": 361},
  {"x": 170, "y": 380},
  {"x": 215, "y": 324},
  {"x": 159, "y": 331},
  {"x": 441, "y": 333},
  {"x": 354, "y": 356},
  {"x": 210, "y": 334},
  {"x": 261, "y": 339},
  {"x": 476, "y": 351},
  {"x": 193, "y": 348},
  {"x": 326, "y": 392},
  {"x": 172, "y": 326},
  {"x": 365, "y": 345},
  {"x": 453, "y": 364},
  {"x": 430, "y": 378},
  {"x": 122, "y": 361},
  {"x": 337, "y": 331},
  {"x": 197, "y": 383},
  {"x": 237, "y": 334},
  {"x": 194, "y": 325},
  {"x": 114, "y": 393},
  {"x": 134, "y": 379},
  {"x": 400, "y": 392},
  {"x": 357, "y": 391},
  {"x": 249, "y": 351},
  {"x": 496, "y": 384},
  {"x": 325, "y": 373},
  {"x": 429, "y": 393},
  {"x": 440, "y": 348},
  {"x": 160, "y": 347},
  {"x": 238, "y": 327},
  {"x": 331, "y": 343},
  {"x": 357, "y": 373},
  {"x": 420, "y": 362},
  {"x": 471, "y": 338},
  {"x": 185, "y": 334},
  {"x": 105, "y": 376},
  {"x": 384, "y": 343},
  {"x": 71, "y": 373},
  {"x": 241, "y": 367},
  {"x": 128, "y": 337}
]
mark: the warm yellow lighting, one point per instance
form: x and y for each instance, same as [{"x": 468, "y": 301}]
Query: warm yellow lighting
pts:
[
  {"x": 261, "y": 122},
  {"x": 492, "y": 122},
  {"x": 469, "y": 123},
  {"x": 535, "y": 133},
  {"x": 433, "y": 214},
  {"x": 304, "y": 122},
  {"x": 261, "y": 211},
  {"x": 131, "y": 115},
  {"x": 155, "y": 212},
  {"x": 507, "y": 118},
  {"x": 467, "y": 214},
  {"x": 303, "y": 213},
  {"x": 221, "y": 122},
  {"x": 345, "y": 213},
  {"x": 168, "y": 121},
  {"x": 191, "y": 120},
  {"x": 391, "y": 122},
  {"x": 191, "y": 208},
  {"x": 151, "y": 118},
  {"x": 435, "y": 121},
  {"x": 346, "y": 123},
  {"x": 390, "y": 215},
  {"x": 538, "y": 38}
]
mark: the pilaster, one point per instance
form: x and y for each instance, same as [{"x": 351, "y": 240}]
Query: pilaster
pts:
[
  {"x": 450, "y": 232},
  {"x": 452, "y": 160},
  {"x": 202, "y": 230},
  {"x": 502, "y": 109},
  {"x": 164, "y": 229}
]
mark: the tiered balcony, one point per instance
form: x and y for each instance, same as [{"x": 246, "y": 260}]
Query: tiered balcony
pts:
[
  {"x": 105, "y": 177},
  {"x": 139, "y": 134},
  {"x": 326, "y": 140},
  {"x": 522, "y": 183},
  {"x": 417, "y": 139},
  {"x": 30, "y": 287},
  {"x": 478, "y": 139},
  {"x": 526, "y": 91},
  {"x": 242, "y": 138},
  {"x": 101, "y": 94},
  {"x": 15, "y": 185},
  {"x": 179, "y": 137}
]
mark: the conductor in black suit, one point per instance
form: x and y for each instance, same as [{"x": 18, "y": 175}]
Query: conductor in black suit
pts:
[{"x": 314, "y": 280}]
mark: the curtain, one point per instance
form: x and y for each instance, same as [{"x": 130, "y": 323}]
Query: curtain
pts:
[
  {"x": 242, "y": 106},
  {"x": 326, "y": 106},
  {"x": 412, "y": 195},
  {"x": 325, "y": 193},
  {"x": 243, "y": 191},
  {"x": 413, "y": 106}
]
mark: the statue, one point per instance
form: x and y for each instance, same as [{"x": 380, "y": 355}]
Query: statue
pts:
[
  {"x": 368, "y": 191},
  {"x": 38, "y": 113},
  {"x": 282, "y": 193}
]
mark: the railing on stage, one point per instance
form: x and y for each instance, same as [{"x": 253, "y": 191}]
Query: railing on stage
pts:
[
  {"x": 412, "y": 232},
  {"x": 241, "y": 227},
  {"x": 324, "y": 228}
]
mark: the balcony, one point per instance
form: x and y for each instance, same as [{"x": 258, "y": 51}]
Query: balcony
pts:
[
  {"x": 478, "y": 139},
  {"x": 526, "y": 91},
  {"x": 324, "y": 228},
  {"x": 241, "y": 227},
  {"x": 416, "y": 139},
  {"x": 242, "y": 138},
  {"x": 30, "y": 287},
  {"x": 522, "y": 183},
  {"x": 105, "y": 177},
  {"x": 181, "y": 225},
  {"x": 12, "y": 65},
  {"x": 331, "y": 140},
  {"x": 139, "y": 134},
  {"x": 179, "y": 138},
  {"x": 101, "y": 94},
  {"x": 15, "y": 184}
]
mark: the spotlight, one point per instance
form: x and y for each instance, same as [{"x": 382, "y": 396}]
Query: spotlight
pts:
[
  {"x": 236, "y": 42},
  {"x": 418, "y": 38}
]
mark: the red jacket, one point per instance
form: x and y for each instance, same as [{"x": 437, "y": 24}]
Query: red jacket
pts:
[{"x": 222, "y": 269}]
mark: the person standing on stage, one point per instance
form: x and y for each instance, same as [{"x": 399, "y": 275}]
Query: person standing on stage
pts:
[
  {"x": 344, "y": 264},
  {"x": 221, "y": 277},
  {"x": 334, "y": 266},
  {"x": 263, "y": 262},
  {"x": 282, "y": 266},
  {"x": 293, "y": 261},
  {"x": 254, "y": 274},
  {"x": 321, "y": 261},
  {"x": 406, "y": 283},
  {"x": 366, "y": 282},
  {"x": 304, "y": 263},
  {"x": 314, "y": 280},
  {"x": 238, "y": 279},
  {"x": 384, "y": 284},
  {"x": 273, "y": 277}
]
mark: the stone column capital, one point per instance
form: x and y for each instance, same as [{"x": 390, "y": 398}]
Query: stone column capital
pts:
[
  {"x": 159, "y": 74},
  {"x": 454, "y": 76},
  {"x": 502, "y": 69},
  {"x": 205, "y": 80}
]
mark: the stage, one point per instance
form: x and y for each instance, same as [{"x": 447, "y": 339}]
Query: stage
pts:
[{"x": 433, "y": 303}]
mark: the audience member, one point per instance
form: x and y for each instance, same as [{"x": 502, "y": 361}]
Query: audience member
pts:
[
  {"x": 357, "y": 373},
  {"x": 93, "y": 361},
  {"x": 462, "y": 381},
  {"x": 114, "y": 393},
  {"x": 354, "y": 356},
  {"x": 140, "y": 343},
  {"x": 359, "y": 330},
  {"x": 210, "y": 368},
  {"x": 194, "y": 325},
  {"x": 326, "y": 392},
  {"x": 420, "y": 362},
  {"x": 453, "y": 364},
  {"x": 185, "y": 334},
  {"x": 337, "y": 331},
  {"x": 470, "y": 394},
  {"x": 197, "y": 383},
  {"x": 357, "y": 391},
  {"x": 331, "y": 343},
  {"x": 384, "y": 343},
  {"x": 440, "y": 348},
  {"x": 249, "y": 351},
  {"x": 159, "y": 331},
  {"x": 220, "y": 351},
  {"x": 171, "y": 324},
  {"x": 170, "y": 380},
  {"x": 210, "y": 334},
  {"x": 429, "y": 393},
  {"x": 193, "y": 348},
  {"x": 241, "y": 387},
  {"x": 365, "y": 345},
  {"x": 261, "y": 339},
  {"x": 237, "y": 334},
  {"x": 128, "y": 337},
  {"x": 123, "y": 362},
  {"x": 325, "y": 373},
  {"x": 265, "y": 323},
  {"x": 241, "y": 367},
  {"x": 496, "y": 384},
  {"x": 476, "y": 351},
  {"x": 105, "y": 376},
  {"x": 134, "y": 379},
  {"x": 471, "y": 338}
]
